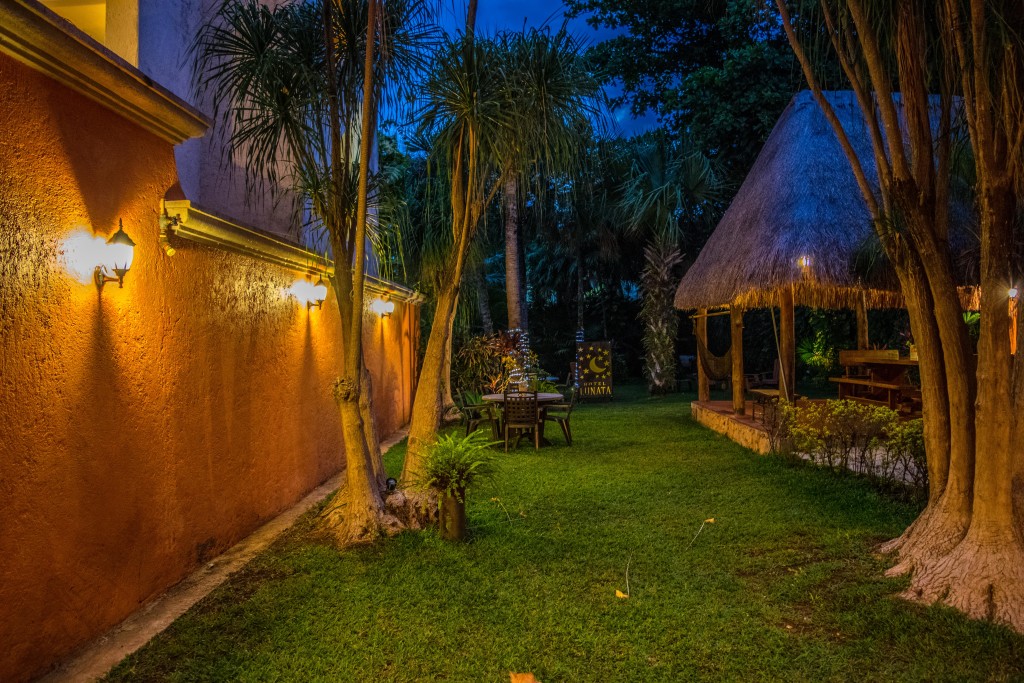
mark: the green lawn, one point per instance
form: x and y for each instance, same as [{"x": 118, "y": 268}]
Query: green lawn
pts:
[{"x": 782, "y": 586}]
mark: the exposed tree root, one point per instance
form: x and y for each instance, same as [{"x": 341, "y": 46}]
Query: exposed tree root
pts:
[
  {"x": 932, "y": 535},
  {"x": 350, "y": 524},
  {"x": 415, "y": 509},
  {"x": 983, "y": 577},
  {"x": 401, "y": 511}
]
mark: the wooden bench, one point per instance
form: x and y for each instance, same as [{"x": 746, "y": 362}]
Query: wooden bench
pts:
[{"x": 874, "y": 377}]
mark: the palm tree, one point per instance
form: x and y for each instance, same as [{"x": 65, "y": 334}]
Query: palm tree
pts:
[
  {"x": 298, "y": 87},
  {"x": 466, "y": 118},
  {"x": 556, "y": 102},
  {"x": 669, "y": 191}
]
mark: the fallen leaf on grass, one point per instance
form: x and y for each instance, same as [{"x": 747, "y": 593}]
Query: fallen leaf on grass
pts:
[
  {"x": 620, "y": 594},
  {"x": 522, "y": 678},
  {"x": 709, "y": 521}
]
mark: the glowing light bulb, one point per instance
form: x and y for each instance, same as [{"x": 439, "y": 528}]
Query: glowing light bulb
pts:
[
  {"x": 383, "y": 307},
  {"x": 1013, "y": 292}
]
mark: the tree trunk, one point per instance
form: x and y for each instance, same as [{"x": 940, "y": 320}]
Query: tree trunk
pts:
[
  {"x": 483, "y": 305},
  {"x": 370, "y": 428},
  {"x": 513, "y": 272},
  {"x": 428, "y": 405},
  {"x": 447, "y": 402},
  {"x": 661, "y": 327},
  {"x": 357, "y": 513},
  {"x": 965, "y": 549}
]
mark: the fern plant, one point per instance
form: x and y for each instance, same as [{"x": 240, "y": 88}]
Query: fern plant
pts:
[{"x": 456, "y": 462}]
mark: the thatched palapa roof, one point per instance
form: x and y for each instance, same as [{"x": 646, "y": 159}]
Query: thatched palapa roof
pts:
[{"x": 800, "y": 200}]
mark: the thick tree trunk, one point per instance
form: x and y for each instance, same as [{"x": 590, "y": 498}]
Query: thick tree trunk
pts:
[
  {"x": 370, "y": 428},
  {"x": 513, "y": 271},
  {"x": 966, "y": 548},
  {"x": 357, "y": 513},
  {"x": 447, "y": 401},
  {"x": 661, "y": 327},
  {"x": 428, "y": 405}
]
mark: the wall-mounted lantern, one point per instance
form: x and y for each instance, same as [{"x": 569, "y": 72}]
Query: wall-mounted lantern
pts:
[
  {"x": 90, "y": 258},
  {"x": 804, "y": 262},
  {"x": 119, "y": 254},
  {"x": 312, "y": 294},
  {"x": 319, "y": 294},
  {"x": 383, "y": 307}
]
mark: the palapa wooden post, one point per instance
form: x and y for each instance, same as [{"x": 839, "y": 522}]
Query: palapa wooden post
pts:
[
  {"x": 863, "y": 342},
  {"x": 787, "y": 343},
  {"x": 703, "y": 386},
  {"x": 738, "y": 400}
]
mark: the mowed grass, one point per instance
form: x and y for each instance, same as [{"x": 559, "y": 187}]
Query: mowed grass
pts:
[{"x": 782, "y": 586}]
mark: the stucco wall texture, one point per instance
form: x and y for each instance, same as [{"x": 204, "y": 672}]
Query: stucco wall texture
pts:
[{"x": 143, "y": 430}]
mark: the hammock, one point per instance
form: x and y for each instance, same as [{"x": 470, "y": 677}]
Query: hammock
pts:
[{"x": 717, "y": 368}]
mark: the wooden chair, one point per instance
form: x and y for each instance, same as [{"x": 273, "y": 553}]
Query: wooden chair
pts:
[
  {"x": 763, "y": 380},
  {"x": 476, "y": 414},
  {"x": 522, "y": 414},
  {"x": 570, "y": 380},
  {"x": 561, "y": 412}
]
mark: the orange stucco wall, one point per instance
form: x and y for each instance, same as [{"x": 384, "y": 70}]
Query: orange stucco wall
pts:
[{"x": 144, "y": 429}]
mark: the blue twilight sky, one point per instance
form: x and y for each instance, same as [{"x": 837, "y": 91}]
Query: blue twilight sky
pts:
[{"x": 494, "y": 15}]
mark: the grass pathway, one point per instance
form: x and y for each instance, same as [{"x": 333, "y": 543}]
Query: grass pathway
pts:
[{"x": 782, "y": 586}]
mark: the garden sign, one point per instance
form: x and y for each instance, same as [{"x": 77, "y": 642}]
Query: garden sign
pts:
[{"x": 594, "y": 369}]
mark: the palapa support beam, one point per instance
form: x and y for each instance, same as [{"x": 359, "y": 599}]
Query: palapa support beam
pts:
[
  {"x": 787, "y": 344},
  {"x": 703, "y": 386},
  {"x": 863, "y": 337},
  {"x": 738, "y": 385}
]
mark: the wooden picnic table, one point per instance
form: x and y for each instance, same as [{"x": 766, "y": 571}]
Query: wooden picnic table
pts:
[{"x": 884, "y": 381}]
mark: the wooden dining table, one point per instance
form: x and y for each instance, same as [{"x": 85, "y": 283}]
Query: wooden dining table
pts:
[{"x": 543, "y": 398}]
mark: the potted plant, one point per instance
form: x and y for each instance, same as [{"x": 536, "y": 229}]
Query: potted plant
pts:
[{"x": 453, "y": 464}]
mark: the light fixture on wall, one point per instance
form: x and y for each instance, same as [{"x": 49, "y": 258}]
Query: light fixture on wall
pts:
[
  {"x": 118, "y": 255},
  {"x": 91, "y": 259},
  {"x": 319, "y": 294},
  {"x": 1012, "y": 293},
  {"x": 383, "y": 307},
  {"x": 804, "y": 261},
  {"x": 312, "y": 294}
]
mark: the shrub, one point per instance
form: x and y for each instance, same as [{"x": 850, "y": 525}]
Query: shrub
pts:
[
  {"x": 456, "y": 462},
  {"x": 904, "y": 458},
  {"x": 847, "y": 436},
  {"x": 842, "y": 435},
  {"x": 491, "y": 362}
]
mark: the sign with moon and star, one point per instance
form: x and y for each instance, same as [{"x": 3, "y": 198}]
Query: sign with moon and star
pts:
[{"x": 594, "y": 360}]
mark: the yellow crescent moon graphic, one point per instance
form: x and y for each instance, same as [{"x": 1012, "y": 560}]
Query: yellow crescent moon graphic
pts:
[{"x": 594, "y": 369}]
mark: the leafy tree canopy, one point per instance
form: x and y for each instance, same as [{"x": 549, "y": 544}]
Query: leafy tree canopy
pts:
[{"x": 718, "y": 70}]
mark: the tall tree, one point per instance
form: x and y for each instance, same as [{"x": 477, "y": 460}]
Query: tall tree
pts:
[
  {"x": 492, "y": 107},
  {"x": 718, "y": 71},
  {"x": 667, "y": 198},
  {"x": 555, "y": 97},
  {"x": 965, "y": 549},
  {"x": 297, "y": 86},
  {"x": 465, "y": 118}
]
